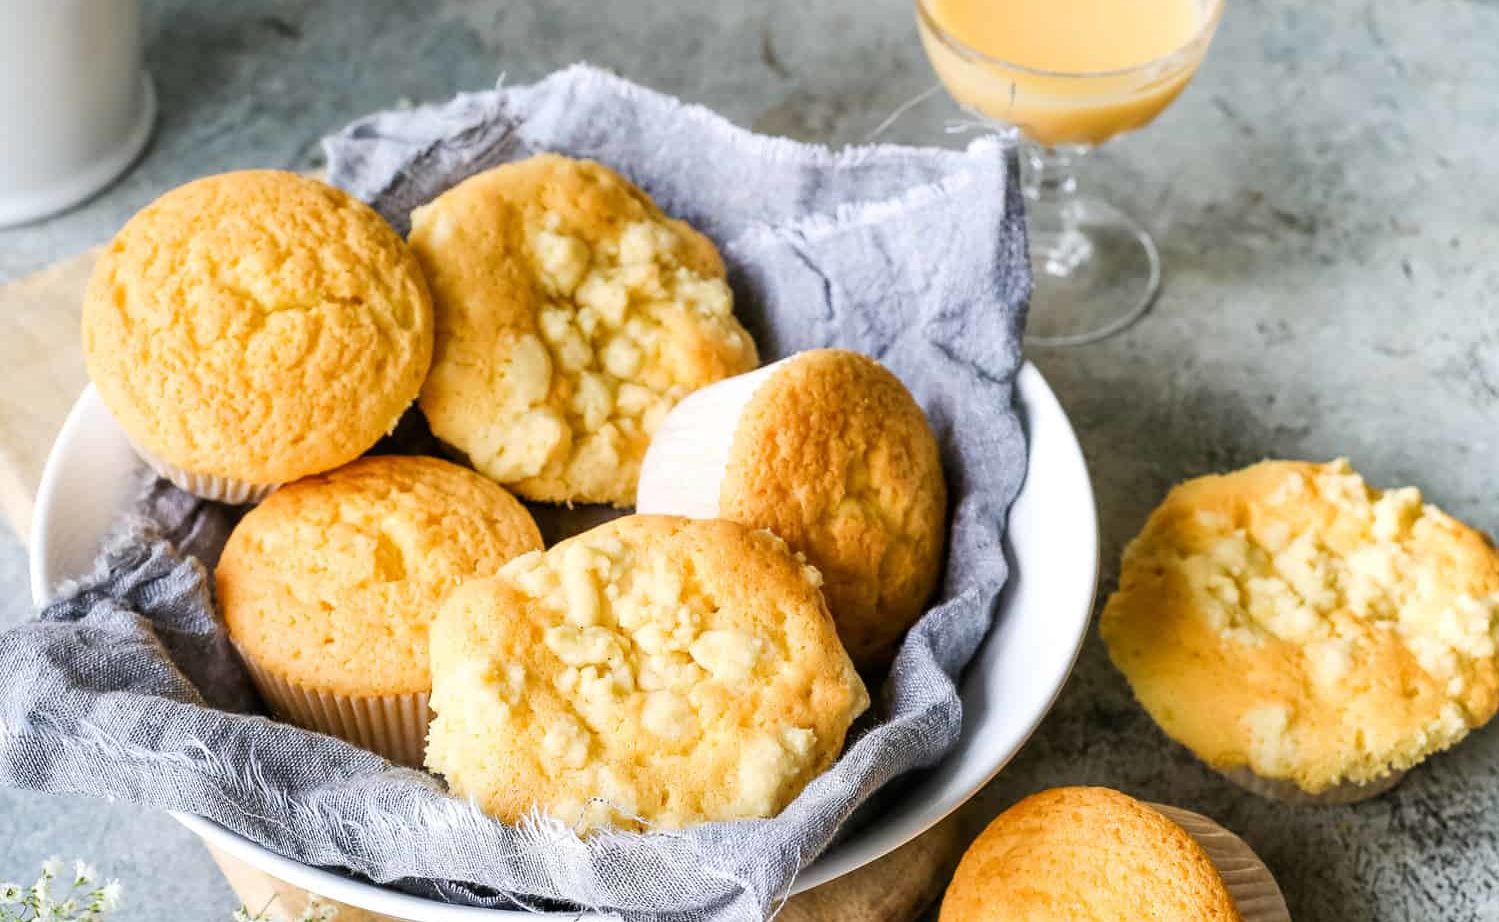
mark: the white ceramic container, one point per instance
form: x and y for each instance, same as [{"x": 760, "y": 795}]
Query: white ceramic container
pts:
[
  {"x": 1011, "y": 684},
  {"x": 76, "y": 106}
]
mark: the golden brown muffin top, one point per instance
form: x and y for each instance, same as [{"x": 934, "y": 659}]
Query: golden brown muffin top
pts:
[
  {"x": 678, "y": 671},
  {"x": 833, "y": 454},
  {"x": 333, "y": 581},
  {"x": 1090, "y": 855},
  {"x": 258, "y": 326},
  {"x": 1288, "y": 619},
  {"x": 571, "y": 316}
]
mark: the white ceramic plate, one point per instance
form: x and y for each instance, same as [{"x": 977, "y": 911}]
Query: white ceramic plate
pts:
[{"x": 1012, "y": 682}]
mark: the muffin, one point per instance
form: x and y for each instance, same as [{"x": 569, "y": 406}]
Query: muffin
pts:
[
  {"x": 1309, "y": 636},
  {"x": 1094, "y": 853},
  {"x": 253, "y": 328},
  {"x": 651, "y": 672},
  {"x": 571, "y": 316},
  {"x": 329, "y": 588},
  {"x": 830, "y": 451}
]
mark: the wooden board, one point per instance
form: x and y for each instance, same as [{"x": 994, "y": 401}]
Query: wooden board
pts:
[
  {"x": 43, "y": 362},
  {"x": 897, "y": 888}
]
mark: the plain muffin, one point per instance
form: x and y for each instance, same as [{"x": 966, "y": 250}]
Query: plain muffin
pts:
[
  {"x": 1292, "y": 626},
  {"x": 252, "y": 328},
  {"x": 651, "y": 672},
  {"x": 329, "y": 587},
  {"x": 830, "y": 451},
  {"x": 1096, "y": 854},
  {"x": 571, "y": 316}
]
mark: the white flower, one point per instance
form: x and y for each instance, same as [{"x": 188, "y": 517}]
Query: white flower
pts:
[
  {"x": 76, "y": 903},
  {"x": 318, "y": 911},
  {"x": 83, "y": 873},
  {"x": 243, "y": 913},
  {"x": 109, "y": 895}
]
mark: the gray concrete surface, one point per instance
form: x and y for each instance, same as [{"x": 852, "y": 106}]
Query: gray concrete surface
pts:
[{"x": 1326, "y": 199}]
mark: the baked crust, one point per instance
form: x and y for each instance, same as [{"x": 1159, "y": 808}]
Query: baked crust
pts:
[
  {"x": 1085, "y": 853},
  {"x": 833, "y": 454},
  {"x": 259, "y": 326}
]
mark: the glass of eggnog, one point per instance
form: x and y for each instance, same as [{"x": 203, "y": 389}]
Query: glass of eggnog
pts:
[{"x": 1063, "y": 76}]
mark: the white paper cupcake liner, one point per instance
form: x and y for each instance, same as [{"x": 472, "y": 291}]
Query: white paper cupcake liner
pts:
[
  {"x": 682, "y": 473},
  {"x": 1288, "y": 792},
  {"x": 207, "y": 486},
  {"x": 1249, "y": 882},
  {"x": 394, "y": 726}
]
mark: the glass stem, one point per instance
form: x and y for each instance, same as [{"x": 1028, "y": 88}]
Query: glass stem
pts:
[{"x": 1058, "y": 246}]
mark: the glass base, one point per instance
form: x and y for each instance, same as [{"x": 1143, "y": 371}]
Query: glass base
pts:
[{"x": 1096, "y": 270}]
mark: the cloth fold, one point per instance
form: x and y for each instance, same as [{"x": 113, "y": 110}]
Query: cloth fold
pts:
[{"x": 127, "y": 686}]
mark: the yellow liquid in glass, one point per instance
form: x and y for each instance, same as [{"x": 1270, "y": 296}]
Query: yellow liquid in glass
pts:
[{"x": 1078, "y": 42}]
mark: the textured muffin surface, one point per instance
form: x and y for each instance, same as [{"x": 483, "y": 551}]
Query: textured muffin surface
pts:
[
  {"x": 571, "y": 316},
  {"x": 258, "y": 326},
  {"x": 834, "y": 455},
  {"x": 333, "y": 581},
  {"x": 1085, "y": 854},
  {"x": 652, "y": 671},
  {"x": 1290, "y": 620}
]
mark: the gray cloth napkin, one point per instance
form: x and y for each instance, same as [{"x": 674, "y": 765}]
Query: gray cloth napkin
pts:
[{"x": 126, "y": 687}]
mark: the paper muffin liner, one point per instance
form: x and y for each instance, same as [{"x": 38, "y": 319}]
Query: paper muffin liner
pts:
[
  {"x": 1249, "y": 882},
  {"x": 394, "y": 726},
  {"x": 684, "y": 466},
  {"x": 207, "y": 486},
  {"x": 1288, "y": 792}
]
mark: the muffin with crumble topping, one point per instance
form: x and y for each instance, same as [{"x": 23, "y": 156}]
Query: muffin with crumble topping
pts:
[
  {"x": 1309, "y": 636},
  {"x": 571, "y": 316},
  {"x": 651, "y": 672}
]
